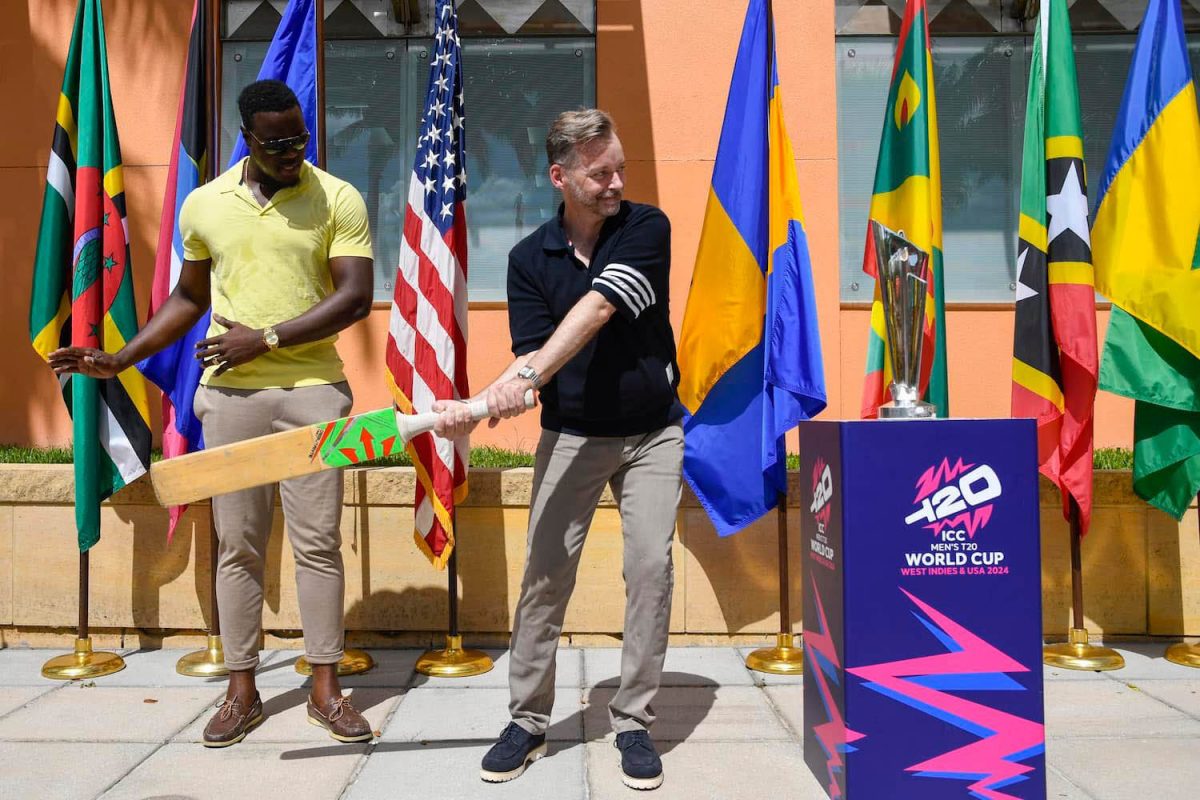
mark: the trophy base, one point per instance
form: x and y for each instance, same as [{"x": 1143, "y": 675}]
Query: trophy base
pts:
[{"x": 915, "y": 411}]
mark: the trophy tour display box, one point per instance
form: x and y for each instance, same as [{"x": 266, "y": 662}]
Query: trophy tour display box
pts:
[{"x": 922, "y": 589}]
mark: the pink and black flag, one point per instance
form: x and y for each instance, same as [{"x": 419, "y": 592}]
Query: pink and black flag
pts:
[{"x": 174, "y": 369}]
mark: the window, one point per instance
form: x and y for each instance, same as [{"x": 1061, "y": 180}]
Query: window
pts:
[
  {"x": 981, "y": 52},
  {"x": 522, "y": 64}
]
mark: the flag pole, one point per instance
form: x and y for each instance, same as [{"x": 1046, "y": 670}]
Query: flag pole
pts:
[
  {"x": 1076, "y": 652},
  {"x": 453, "y": 661},
  {"x": 83, "y": 663},
  {"x": 354, "y": 661},
  {"x": 1184, "y": 654},
  {"x": 784, "y": 658},
  {"x": 210, "y": 662},
  {"x": 320, "y": 31}
]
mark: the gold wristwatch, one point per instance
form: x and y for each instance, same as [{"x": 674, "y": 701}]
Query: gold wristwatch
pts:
[{"x": 271, "y": 338}]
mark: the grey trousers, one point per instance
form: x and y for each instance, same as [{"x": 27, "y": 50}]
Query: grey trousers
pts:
[
  {"x": 569, "y": 475},
  {"x": 312, "y": 509}
]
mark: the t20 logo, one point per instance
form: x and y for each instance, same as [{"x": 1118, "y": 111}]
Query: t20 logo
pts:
[
  {"x": 957, "y": 496},
  {"x": 822, "y": 494}
]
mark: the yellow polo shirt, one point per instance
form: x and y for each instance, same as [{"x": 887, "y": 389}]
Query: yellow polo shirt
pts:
[{"x": 271, "y": 263}]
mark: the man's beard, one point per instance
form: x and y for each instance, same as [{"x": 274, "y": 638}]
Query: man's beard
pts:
[{"x": 593, "y": 202}]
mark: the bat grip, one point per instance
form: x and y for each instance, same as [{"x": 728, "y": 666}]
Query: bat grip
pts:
[{"x": 479, "y": 408}]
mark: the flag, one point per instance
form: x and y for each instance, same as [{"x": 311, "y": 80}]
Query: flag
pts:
[
  {"x": 174, "y": 369},
  {"x": 292, "y": 58},
  {"x": 426, "y": 352},
  {"x": 749, "y": 351},
  {"x": 82, "y": 284},
  {"x": 908, "y": 197},
  {"x": 1145, "y": 245},
  {"x": 1055, "y": 362}
]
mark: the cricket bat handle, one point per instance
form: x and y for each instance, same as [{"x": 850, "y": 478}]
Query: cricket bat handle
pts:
[{"x": 412, "y": 425}]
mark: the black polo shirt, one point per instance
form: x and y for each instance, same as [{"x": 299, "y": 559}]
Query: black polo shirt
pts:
[{"x": 622, "y": 383}]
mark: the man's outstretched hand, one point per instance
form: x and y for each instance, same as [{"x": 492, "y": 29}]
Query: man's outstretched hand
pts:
[{"x": 85, "y": 361}]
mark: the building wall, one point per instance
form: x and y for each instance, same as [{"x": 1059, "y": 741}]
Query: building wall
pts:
[{"x": 663, "y": 69}]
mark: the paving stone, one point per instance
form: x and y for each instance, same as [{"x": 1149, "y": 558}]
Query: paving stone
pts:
[
  {"x": 1059, "y": 787},
  {"x": 157, "y": 668},
  {"x": 12, "y": 699},
  {"x": 450, "y": 769},
  {"x": 696, "y": 713},
  {"x": 684, "y": 666},
  {"x": 1051, "y": 674},
  {"x": 108, "y": 714},
  {"x": 1183, "y": 695},
  {"x": 1146, "y": 661},
  {"x": 1076, "y": 709},
  {"x": 287, "y": 715},
  {"x": 392, "y": 668},
  {"x": 789, "y": 704},
  {"x": 477, "y": 714},
  {"x": 184, "y": 770},
  {"x": 1124, "y": 768},
  {"x": 66, "y": 770},
  {"x": 698, "y": 769},
  {"x": 766, "y": 678},
  {"x": 22, "y": 666},
  {"x": 568, "y": 671}
]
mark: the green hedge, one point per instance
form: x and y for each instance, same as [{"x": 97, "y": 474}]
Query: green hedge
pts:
[{"x": 493, "y": 457}]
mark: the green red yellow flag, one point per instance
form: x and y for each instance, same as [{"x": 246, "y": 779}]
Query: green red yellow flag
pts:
[
  {"x": 1055, "y": 362},
  {"x": 82, "y": 285},
  {"x": 908, "y": 197}
]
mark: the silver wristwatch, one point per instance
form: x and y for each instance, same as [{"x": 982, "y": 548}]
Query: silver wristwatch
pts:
[{"x": 530, "y": 374}]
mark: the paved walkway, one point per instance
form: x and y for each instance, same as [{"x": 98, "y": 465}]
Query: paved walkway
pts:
[{"x": 725, "y": 732}]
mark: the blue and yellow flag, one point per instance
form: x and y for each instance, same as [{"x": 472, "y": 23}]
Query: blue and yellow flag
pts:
[
  {"x": 1147, "y": 258},
  {"x": 750, "y": 352}
]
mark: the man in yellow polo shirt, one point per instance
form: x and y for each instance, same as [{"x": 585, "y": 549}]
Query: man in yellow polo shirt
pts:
[{"x": 282, "y": 252}]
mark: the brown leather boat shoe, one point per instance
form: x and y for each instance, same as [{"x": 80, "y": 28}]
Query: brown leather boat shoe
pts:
[
  {"x": 342, "y": 720},
  {"x": 232, "y": 722}
]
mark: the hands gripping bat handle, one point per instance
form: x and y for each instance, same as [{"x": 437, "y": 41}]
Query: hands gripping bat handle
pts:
[{"x": 416, "y": 424}]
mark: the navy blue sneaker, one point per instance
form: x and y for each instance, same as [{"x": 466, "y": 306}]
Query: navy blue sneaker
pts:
[
  {"x": 641, "y": 768},
  {"x": 516, "y": 749}
]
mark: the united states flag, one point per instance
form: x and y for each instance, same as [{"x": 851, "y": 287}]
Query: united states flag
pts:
[{"x": 427, "y": 333}]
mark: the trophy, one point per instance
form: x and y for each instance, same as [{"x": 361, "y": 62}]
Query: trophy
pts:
[{"x": 904, "y": 275}]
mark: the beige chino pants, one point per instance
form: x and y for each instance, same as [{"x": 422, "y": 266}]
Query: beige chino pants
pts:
[
  {"x": 570, "y": 472},
  {"x": 312, "y": 510}
]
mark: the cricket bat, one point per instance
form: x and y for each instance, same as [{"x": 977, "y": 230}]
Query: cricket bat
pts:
[{"x": 290, "y": 454}]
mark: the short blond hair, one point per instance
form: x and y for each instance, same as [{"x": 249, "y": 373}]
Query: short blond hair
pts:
[{"x": 573, "y": 129}]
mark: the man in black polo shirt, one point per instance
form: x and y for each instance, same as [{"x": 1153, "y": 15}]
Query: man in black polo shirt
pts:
[{"x": 588, "y": 307}]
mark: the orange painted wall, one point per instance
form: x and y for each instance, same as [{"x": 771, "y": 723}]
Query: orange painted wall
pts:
[{"x": 663, "y": 70}]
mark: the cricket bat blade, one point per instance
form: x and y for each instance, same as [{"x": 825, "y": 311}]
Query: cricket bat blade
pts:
[{"x": 290, "y": 454}]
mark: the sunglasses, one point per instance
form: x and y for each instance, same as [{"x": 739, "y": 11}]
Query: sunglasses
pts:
[{"x": 274, "y": 147}]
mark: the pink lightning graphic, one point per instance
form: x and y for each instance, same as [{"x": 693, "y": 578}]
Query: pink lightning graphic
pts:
[
  {"x": 993, "y": 761},
  {"x": 934, "y": 478},
  {"x": 823, "y": 663},
  {"x": 970, "y": 521}
]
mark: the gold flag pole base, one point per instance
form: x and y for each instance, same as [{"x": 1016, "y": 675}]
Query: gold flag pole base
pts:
[
  {"x": 1076, "y": 653},
  {"x": 1184, "y": 654},
  {"x": 454, "y": 661},
  {"x": 84, "y": 663},
  {"x": 782, "y": 659},
  {"x": 206, "y": 663},
  {"x": 354, "y": 662}
]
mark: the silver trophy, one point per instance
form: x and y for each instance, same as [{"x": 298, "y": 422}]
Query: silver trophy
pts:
[{"x": 904, "y": 275}]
